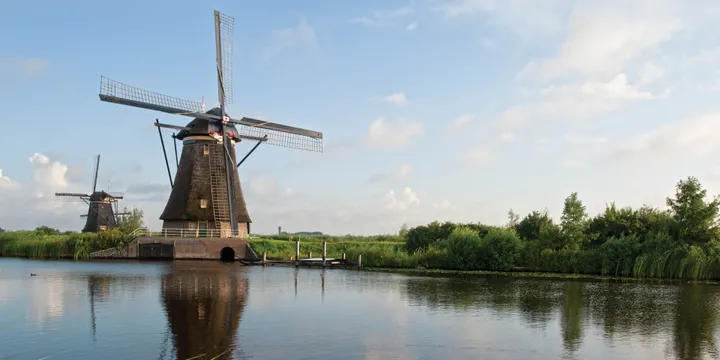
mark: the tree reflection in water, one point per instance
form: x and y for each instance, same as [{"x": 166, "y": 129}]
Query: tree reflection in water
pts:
[
  {"x": 204, "y": 302},
  {"x": 685, "y": 314}
]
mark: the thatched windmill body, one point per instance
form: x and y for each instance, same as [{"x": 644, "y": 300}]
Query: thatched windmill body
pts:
[
  {"x": 102, "y": 206},
  {"x": 206, "y": 196}
]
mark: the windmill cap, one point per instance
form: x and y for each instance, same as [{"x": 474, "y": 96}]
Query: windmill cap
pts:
[{"x": 206, "y": 127}]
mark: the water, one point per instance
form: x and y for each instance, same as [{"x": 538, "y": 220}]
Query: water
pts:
[{"x": 178, "y": 310}]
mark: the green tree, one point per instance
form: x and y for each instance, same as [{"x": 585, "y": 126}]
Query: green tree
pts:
[
  {"x": 2, "y": 230},
  {"x": 403, "y": 231},
  {"x": 132, "y": 221},
  {"x": 695, "y": 221},
  {"x": 513, "y": 218},
  {"x": 531, "y": 226},
  {"x": 46, "y": 230},
  {"x": 574, "y": 222}
]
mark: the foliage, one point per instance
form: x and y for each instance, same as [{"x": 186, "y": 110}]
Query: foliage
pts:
[
  {"x": 513, "y": 218},
  {"x": 695, "y": 221},
  {"x": 131, "y": 222},
  {"x": 403, "y": 232},
  {"x": 332, "y": 238},
  {"x": 573, "y": 222},
  {"x": 2, "y": 230},
  {"x": 423, "y": 237},
  {"x": 464, "y": 248},
  {"x": 43, "y": 244},
  {"x": 44, "y": 230}
]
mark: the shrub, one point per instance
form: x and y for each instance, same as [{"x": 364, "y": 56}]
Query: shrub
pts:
[
  {"x": 464, "y": 249},
  {"x": 500, "y": 248}
]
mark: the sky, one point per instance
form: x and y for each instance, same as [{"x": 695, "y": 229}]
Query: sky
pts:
[{"x": 449, "y": 110}]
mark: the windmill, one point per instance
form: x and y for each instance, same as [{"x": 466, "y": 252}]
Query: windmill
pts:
[
  {"x": 101, "y": 215},
  {"x": 206, "y": 193}
]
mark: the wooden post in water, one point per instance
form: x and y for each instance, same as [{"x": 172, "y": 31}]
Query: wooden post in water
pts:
[
  {"x": 264, "y": 258},
  {"x": 324, "y": 253},
  {"x": 309, "y": 255},
  {"x": 344, "y": 258},
  {"x": 359, "y": 261},
  {"x": 297, "y": 252}
]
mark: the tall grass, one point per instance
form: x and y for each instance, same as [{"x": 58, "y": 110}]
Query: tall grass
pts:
[
  {"x": 334, "y": 238},
  {"x": 76, "y": 245}
]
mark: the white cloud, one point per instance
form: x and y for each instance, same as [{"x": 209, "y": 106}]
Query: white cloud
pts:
[
  {"x": 28, "y": 205},
  {"x": 582, "y": 139},
  {"x": 650, "y": 73},
  {"x": 704, "y": 57},
  {"x": 507, "y": 136},
  {"x": 576, "y": 101},
  {"x": 462, "y": 121},
  {"x": 395, "y": 13},
  {"x": 50, "y": 176},
  {"x": 525, "y": 18},
  {"x": 5, "y": 181},
  {"x": 401, "y": 173},
  {"x": 300, "y": 36},
  {"x": 693, "y": 137},
  {"x": 403, "y": 201},
  {"x": 616, "y": 89},
  {"x": 398, "y": 134},
  {"x": 289, "y": 192},
  {"x": 412, "y": 26},
  {"x": 397, "y": 98},
  {"x": 384, "y": 18},
  {"x": 368, "y": 21},
  {"x": 602, "y": 37}
]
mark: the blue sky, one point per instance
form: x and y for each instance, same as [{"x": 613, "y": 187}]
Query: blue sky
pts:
[{"x": 435, "y": 109}]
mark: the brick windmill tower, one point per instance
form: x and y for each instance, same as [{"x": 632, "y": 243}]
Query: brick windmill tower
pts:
[{"x": 206, "y": 197}]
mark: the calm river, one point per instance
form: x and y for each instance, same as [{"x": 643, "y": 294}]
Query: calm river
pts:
[{"x": 181, "y": 310}]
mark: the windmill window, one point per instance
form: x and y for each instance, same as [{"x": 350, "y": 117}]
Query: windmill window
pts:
[
  {"x": 203, "y": 203},
  {"x": 206, "y": 149}
]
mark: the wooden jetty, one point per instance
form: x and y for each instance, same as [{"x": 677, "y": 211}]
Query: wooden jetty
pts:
[{"x": 309, "y": 261}]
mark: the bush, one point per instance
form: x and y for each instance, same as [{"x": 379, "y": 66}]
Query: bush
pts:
[
  {"x": 619, "y": 255},
  {"x": 464, "y": 249},
  {"x": 500, "y": 248}
]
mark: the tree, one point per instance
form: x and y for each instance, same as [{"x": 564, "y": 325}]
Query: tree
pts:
[
  {"x": 513, "y": 218},
  {"x": 403, "y": 231},
  {"x": 573, "y": 222},
  {"x": 132, "y": 221},
  {"x": 2, "y": 230},
  {"x": 45, "y": 230},
  {"x": 695, "y": 221}
]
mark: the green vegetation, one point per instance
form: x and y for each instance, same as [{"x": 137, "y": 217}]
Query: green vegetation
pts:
[
  {"x": 41, "y": 244},
  {"x": 46, "y": 242},
  {"x": 681, "y": 242}
]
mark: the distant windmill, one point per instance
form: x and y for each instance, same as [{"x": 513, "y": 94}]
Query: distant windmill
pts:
[
  {"x": 206, "y": 192},
  {"x": 101, "y": 215}
]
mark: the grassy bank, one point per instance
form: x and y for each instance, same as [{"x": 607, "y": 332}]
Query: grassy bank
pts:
[{"x": 42, "y": 245}]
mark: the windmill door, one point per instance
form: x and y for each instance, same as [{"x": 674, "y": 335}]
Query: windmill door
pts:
[{"x": 202, "y": 229}]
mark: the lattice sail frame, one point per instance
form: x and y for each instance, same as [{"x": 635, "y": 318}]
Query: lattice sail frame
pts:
[
  {"x": 227, "y": 25},
  {"x": 278, "y": 134},
  {"x": 115, "y": 89}
]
